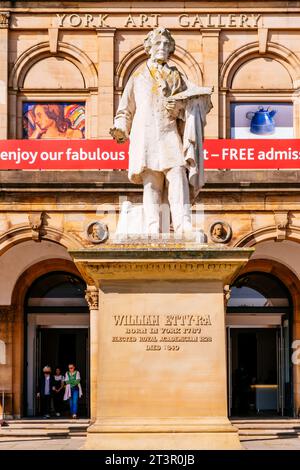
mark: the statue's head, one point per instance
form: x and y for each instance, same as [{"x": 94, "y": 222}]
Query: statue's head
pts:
[{"x": 159, "y": 44}]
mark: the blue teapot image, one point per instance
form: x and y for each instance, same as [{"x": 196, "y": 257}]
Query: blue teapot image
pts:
[{"x": 262, "y": 122}]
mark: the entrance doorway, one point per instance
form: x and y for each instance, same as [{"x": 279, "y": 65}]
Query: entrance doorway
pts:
[
  {"x": 258, "y": 347},
  {"x": 59, "y": 347},
  {"x": 255, "y": 371},
  {"x": 57, "y": 333}
]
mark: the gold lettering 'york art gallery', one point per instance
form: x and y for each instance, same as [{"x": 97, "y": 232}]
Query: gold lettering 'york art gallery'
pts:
[
  {"x": 154, "y": 20},
  {"x": 162, "y": 332}
]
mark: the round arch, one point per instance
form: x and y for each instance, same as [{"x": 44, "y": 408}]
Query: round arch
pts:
[
  {"x": 20, "y": 290},
  {"x": 24, "y": 233},
  {"x": 292, "y": 284},
  {"x": 283, "y": 273},
  {"x": 41, "y": 51},
  {"x": 267, "y": 233},
  {"x": 250, "y": 51},
  {"x": 134, "y": 58}
]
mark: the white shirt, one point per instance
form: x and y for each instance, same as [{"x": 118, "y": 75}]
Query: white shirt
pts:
[{"x": 47, "y": 385}]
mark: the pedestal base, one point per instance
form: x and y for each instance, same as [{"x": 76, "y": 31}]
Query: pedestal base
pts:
[
  {"x": 203, "y": 434},
  {"x": 161, "y": 363},
  {"x": 213, "y": 440}
]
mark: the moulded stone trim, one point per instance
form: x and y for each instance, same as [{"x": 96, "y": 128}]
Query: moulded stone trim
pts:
[
  {"x": 137, "y": 56},
  {"x": 164, "y": 270},
  {"x": 268, "y": 233},
  {"x": 184, "y": 266},
  {"x": 24, "y": 233},
  {"x": 41, "y": 51},
  {"x": 275, "y": 51}
]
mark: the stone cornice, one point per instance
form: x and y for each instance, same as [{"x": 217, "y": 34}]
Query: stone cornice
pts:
[
  {"x": 118, "y": 6},
  {"x": 180, "y": 15},
  {"x": 168, "y": 251},
  {"x": 16, "y": 180},
  {"x": 158, "y": 264}
]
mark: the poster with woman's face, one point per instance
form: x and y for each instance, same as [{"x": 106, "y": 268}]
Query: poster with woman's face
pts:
[{"x": 53, "y": 120}]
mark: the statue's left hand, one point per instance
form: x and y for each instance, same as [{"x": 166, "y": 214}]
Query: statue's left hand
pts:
[{"x": 173, "y": 107}]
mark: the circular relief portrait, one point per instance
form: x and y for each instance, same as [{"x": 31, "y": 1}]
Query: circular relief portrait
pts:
[
  {"x": 97, "y": 232},
  {"x": 220, "y": 232}
]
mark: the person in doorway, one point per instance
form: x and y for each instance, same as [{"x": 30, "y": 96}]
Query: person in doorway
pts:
[
  {"x": 44, "y": 392},
  {"x": 243, "y": 389},
  {"x": 58, "y": 391},
  {"x": 73, "y": 390}
]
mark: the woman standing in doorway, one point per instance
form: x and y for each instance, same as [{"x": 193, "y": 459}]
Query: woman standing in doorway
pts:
[
  {"x": 58, "y": 391},
  {"x": 73, "y": 389}
]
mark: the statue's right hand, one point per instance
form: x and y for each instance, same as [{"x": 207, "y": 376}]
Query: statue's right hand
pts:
[{"x": 118, "y": 134}]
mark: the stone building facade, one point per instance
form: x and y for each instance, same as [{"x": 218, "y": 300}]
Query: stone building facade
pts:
[{"x": 84, "y": 52}]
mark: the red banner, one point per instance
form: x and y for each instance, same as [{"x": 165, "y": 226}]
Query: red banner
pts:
[{"x": 108, "y": 155}]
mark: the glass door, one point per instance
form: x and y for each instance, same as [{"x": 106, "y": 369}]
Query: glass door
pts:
[
  {"x": 255, "y": 371},
  {"x": 280, "y": 371},
  {"x": 229, "y": 372},
  {"x": 37, "y": 371}
]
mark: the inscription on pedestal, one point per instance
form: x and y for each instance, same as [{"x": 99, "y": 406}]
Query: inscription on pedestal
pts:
[{"x": 168, "y": 332}]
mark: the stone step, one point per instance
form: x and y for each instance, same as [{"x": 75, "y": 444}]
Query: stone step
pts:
[
  {"x": 24, "y": 438},
  {"x": 263, "y": 422},
  {"x": 262, "y": 432},
  {"x": 249, "y": 429},
  {"x": 262, "y": 438},
  {"x": 46, "y": 424},
  {"x": 269, "y": 426},
  {"x": 50, "y": 420},
  {"x": 53, "y": 433},
  {"x": 51, "y": 428}
]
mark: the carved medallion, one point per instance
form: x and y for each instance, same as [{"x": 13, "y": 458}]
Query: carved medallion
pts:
[
  {"x": 97, "y": 232},
  {"x": 220, "y": 232}
]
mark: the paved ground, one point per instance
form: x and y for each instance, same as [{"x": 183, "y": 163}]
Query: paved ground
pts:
[
  {"x": 273, "y": 444},
  {"x": 75, "y": 443},
  {"x": 72, "y": 443}
]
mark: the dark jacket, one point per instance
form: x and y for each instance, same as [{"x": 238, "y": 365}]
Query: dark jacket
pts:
[{"x": 41, "y": 385}]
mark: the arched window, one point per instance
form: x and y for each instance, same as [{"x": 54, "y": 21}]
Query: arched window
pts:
[
  {"x": 57, "y": 290},
  {"x": 258, "y": 291}
]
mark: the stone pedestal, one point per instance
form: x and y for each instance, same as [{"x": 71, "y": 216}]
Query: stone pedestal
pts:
[{"x": 161, "y": 361}]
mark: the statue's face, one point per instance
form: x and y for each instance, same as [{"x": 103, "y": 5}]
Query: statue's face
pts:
[{"x": 160, "y": 49}]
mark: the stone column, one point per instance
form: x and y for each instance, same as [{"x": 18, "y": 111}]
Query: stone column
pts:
[
  {"x": 6, "y": 363},
  {"x": 105, "y": 81},
  {"x": 210, "y": 50},
  {"x": 296, "y": 102},
  {"x": 92, "y": 298},
  {"x": 4, "y": 24}
]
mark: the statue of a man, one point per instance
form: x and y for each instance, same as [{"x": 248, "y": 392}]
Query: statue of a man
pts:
[{"x": 164, "y": 115}]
